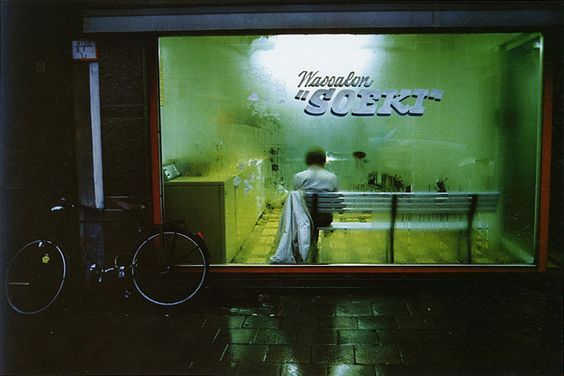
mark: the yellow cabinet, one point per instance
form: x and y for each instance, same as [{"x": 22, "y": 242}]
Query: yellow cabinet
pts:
[{"x": 224, "y": 208}]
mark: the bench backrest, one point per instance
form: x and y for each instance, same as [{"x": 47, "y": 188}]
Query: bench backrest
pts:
[{"x": 403, "y": 202}]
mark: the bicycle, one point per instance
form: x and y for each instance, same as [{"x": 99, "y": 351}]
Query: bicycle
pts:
[{"x": 168, "y": 265}]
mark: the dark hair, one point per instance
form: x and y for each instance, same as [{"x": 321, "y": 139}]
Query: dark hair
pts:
[{"x": 315, "y": 157}]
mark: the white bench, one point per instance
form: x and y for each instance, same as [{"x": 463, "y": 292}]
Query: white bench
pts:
[{"x": 423, "y": 211}]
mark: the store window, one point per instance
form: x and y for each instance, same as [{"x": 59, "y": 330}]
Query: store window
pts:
[{"x": 421, "y": 117}]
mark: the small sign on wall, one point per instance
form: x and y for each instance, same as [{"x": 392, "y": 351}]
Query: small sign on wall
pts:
[{"x": 84, "y": 50}]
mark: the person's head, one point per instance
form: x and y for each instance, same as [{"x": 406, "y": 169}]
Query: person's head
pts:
[{"x": 315, "y": 157}]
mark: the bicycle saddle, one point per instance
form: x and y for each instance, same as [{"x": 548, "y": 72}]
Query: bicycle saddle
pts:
[{"x": 129, "y": 206}]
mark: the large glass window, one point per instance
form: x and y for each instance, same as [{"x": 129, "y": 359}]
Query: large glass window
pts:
[{"x": 449, "y": 124}]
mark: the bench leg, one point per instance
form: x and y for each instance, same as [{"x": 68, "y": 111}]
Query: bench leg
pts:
[
  {"x": 392, "y": 227},
  {"x": 461, "y": 248},
  {"x": 471, "y": 213},
  {"x": 469, "y": 247},
  {"x": 314, "y": 248}
]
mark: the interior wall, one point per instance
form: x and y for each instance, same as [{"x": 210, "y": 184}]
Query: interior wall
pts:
[
  {"x": 207, "y": 127},
  {"x": 520, "y": 127},
  {"x": 124, "y": 107},
  {"x": 454, "y": 139}
]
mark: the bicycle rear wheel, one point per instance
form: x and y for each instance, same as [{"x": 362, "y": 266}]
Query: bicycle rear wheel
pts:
[
  {"x": 170, "y": 267},
  {"x": 35, "y": 277}
]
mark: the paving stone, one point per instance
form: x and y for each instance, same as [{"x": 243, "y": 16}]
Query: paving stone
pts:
[
  {"x": 430, "y": 355},
  {"x": 204, "y": 353},
  {"x": 92, "y": 358},
  {"x": 321, "y": 309},
  {"x": 423, "y": 322},
  {"x": 148, "y": 367},
  {"x": 390, "y": 297},
  {"x": 351, "y": 370},
  {"x": 317, "y": 336},
  {"x": 270, "y": 231},
  {"x": 289, "y": 354},
  {"x": 401, "y": 370},
  {"x": 390, "y": 308},
  {"x": 354, "y": 309},
  {"x": 523, "y": 355},
  {"x": 303, "y": 369},
  {"x": 267, "y": 310},
  {"x": 443, "y": 337},
  {"x": 223, "y": 321},
  {"x": 377, "y": 322},
  {"x": 247, "y": 353},
  {"x": 393, "y": 337},
  {"x": 276, "y": 336},
  {"x": 255, "y": 369},
  {"x": 301, "y": 321},
  {"x": 164, "y": 349},
  {"x": 338, "y": 322},
  {"x": 466, "y": 356},
  {"x": 471, "y": 338},
  {"x": 204, "y": 368},
  {"x": 261, "y": 322},
  {"x": 241, "y": 311},
  {"x": 263, "y": 251},
  {"x": 426, "y": 309},
  {"x": 353, "y": 337},
  {"x": 188, "y": 321},
  {"x": 382, "y": 354},
  {"x": 201, "y": 335},
  {"x": 291, "y": 306},
  {"x": 236, "y": 335},
  {"x": 340, "y": 299},
  {"x": 410, "y": 353},
  {"x": 332, "y": 354}
]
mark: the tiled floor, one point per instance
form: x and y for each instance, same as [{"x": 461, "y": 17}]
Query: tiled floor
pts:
[
  {"x": 463, "y": 327},
  {"x": 369, "y": 246},
  {"x": 261, "y": 243}
]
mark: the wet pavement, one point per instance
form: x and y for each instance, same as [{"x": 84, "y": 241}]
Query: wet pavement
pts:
[{"x": 453, "y": 326}]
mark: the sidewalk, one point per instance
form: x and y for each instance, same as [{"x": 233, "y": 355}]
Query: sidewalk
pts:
[{"x": 458, "y": 329}]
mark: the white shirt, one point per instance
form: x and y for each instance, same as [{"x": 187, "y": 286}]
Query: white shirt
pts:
[{"x": 315, "y": 178}]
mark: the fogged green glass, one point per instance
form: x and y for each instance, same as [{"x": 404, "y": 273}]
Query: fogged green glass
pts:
[{"x": 234, "y": 122}]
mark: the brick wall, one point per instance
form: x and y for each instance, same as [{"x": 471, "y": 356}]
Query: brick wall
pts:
[{"x": 125, "y": 132}]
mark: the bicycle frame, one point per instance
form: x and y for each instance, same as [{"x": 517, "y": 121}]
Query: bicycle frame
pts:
[{"x": 86, "y": 215}]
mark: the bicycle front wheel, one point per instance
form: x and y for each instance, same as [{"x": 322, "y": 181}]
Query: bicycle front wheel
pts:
[
  {"x": 169, "y": 267},
  {"x": 35, "y": 276}
]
